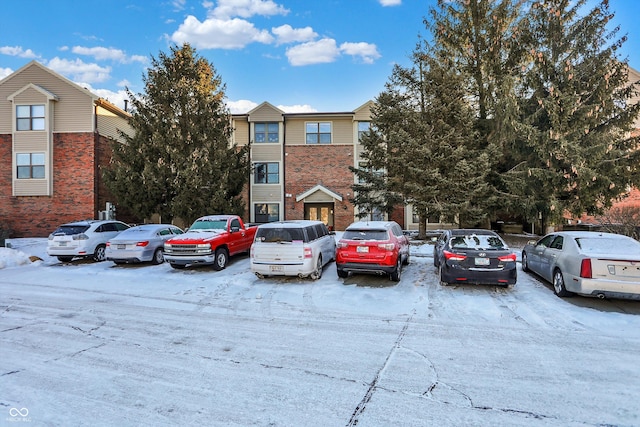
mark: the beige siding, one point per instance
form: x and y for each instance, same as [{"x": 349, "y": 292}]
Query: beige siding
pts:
[
  {"x": 31, "y": 187},
  {"x": 74, "y": 110},
  {"x": 240, "y": 132},
  {"x": 109, "y": 124},
  {"x": 29, "y": 141},
  {"x": 266, "y": 152},
  {"x": 266, "y": 193},
  {"x": 294, "y": 133},
  {"x": 266, "y": 113},
  {"x": 363, "y": 113},
  {"x": 342, "y": 132}
]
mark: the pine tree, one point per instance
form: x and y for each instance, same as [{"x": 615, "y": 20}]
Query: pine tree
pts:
[
  {"x": 421, "y": 147},
  {"x": 575, "y": 153},
  {"x": 179, "y": 162}
]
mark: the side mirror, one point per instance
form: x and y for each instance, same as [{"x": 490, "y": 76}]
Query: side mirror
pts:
[{"x": 235, "y": 229}]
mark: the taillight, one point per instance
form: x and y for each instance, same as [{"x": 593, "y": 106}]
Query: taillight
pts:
[
  {"x": 81, "y": 236},
  {"x": 510, "y": 257},
  {"x": 108, "y": 244},
  {"x": 342, "y": 245},
  {"x": 453, "y": 256},
  {"x": 308, "y": 253},
  {"x": 386, "y": 246},
  {"x": 585, "y": 269},
  {"x": 143, "y": 244}
]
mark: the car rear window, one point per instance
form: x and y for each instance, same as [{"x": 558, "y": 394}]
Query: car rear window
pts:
[
  {"x": 70, "y": 230},
  {"x": 599, "y": 245},
  {"x": 366, "y": 235},
  {"x": 277, "y": 235},
  {"x": 475, "y": 241}
]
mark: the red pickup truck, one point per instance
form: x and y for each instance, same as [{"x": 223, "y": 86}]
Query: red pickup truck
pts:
[{"x": 210, "y": 240}]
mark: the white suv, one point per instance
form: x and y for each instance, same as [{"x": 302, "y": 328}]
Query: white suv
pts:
[
  {"x": 83, "y": 239},
  {"x": 292, "y": 248}
]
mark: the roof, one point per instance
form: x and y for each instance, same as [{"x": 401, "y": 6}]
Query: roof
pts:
[
  {"x": 371, "y": 225},
  {"x": 290, "y": 223}
]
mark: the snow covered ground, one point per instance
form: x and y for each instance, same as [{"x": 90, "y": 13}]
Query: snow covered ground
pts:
[{"x": 96, "y": 344}]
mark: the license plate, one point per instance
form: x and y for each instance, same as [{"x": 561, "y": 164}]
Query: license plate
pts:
[
  {"x": 62, "y": 243},
  {"x": 121, "y": 246},
  {"x": 276, "y": 268},
  {"x": 363, "y": 249},
  {"x": 482, "y": 261}
]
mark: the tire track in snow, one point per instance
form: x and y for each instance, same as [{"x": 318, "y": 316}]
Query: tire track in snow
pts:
[{"x": 355, "y": 417}]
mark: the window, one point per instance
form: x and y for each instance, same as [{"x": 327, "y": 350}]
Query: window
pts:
[
  {"x": 362, "y": 128},
  {"x": 318, "y": 133},
  {"x": 266, "y": 132},
  {"x": 266, "y": 173},
  {"x": 378, "y": 173},
  {"x": 266, "y": 212},
  {"x": 29, "y": 117},
  {"x": 30, "y": 165}
]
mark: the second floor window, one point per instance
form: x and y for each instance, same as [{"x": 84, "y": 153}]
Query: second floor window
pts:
[
  {"x": 362, "y": 128},
  {"x": 30, "y": 165},
  {"x": 318, "y": 133},
  {"x": 266, "y": 173},
  {"x": 266, "y": 132},
  {"x": 29, "y": 117}
]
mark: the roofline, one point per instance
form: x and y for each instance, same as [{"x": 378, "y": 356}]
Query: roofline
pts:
[{"x": 101, "y": 102}]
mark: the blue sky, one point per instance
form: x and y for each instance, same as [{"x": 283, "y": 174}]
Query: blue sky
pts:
[{"x": 300, "y": 55}]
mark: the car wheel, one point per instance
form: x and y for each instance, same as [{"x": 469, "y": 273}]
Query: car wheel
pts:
[
  {"x": 158, "y": 257},
  {"x": 397, "y": 273},
  {"x": 317, "y": 273},
  {"x": 65, "y": 258},
  {"x": 343, "y": 274},
  {"x": 525, "y": 262},
  {"x": 407, "y": 258},
  {"x": 99, "y": 254},
  {"x": 222, "y": 258},
  {"x": 177, "y": 266},
  {"x": 442, "y": 282},
  {"x": 558, "y": 285}
]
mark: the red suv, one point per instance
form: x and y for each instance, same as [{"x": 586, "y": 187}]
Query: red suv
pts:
[{"x": 377, "y": 247}]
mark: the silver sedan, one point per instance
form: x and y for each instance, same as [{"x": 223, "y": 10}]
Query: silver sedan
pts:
[
  {"x": 604, "y": 265},
  {"x": 142, "y": 243}
]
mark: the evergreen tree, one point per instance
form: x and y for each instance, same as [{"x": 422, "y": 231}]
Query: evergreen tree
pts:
[
  {"x": 574, "y": 152},
  {"x": 423, "y": 139},
  {"x": 179, "y": 162}
]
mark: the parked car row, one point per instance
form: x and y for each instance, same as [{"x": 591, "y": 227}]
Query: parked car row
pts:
[{"x": 603, "y": 265}]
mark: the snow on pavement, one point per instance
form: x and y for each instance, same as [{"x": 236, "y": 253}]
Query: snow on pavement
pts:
[{"x": 88, "y": 343}]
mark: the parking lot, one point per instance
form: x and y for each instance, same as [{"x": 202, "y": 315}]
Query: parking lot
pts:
[{"x": 89, "y": 343}]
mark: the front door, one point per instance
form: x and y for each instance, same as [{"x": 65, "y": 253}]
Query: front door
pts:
[{"x": 319, "y": 212}]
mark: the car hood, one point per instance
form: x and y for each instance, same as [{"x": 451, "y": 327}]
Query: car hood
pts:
[{"x": 197, "y": 237}]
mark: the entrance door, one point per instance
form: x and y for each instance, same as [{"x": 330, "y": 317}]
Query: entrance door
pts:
[{"x": 319, "y": 212}]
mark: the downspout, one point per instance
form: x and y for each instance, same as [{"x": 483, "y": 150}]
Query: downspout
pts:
[{"x": 284, "y": 168}]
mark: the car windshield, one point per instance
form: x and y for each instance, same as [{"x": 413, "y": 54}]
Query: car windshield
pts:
[
  {"x": 475, "y": 241},
  {"x": 365, "y": 235},
  {"x": 209, "y": 224},
  {"x": 70, "y": 230},
  {"x": 278, "y": 235},
  {"x": 608, "y": 245}
]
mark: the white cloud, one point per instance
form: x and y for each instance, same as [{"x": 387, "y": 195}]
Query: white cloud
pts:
[
  {"x": 366, "y": 51},
  {"x": 80, "y": 71},
  {"x": 4, "y": 72},
  {"x": 107, "y": 53},
  {"x": 242, "y": 106},
  {"x": 246, "y": 8},
  {"x": 316, "y": 52},
  {"x": 390, "y": 2},
  {"x": 287, "y": 34},
  {"x": 306, "y": 108},
  {"x": 116, "y": 98},
  {"x": 219, "y": 34},
  {"x": 17, "y": 51}
]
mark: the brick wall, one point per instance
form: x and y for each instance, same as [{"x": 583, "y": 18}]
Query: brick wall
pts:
[
  {"x": 73, "y": 188},
  {"x": 328, "y": 165}
]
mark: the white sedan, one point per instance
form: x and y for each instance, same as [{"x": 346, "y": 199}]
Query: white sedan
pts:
[{"x": 603, "y": 265}]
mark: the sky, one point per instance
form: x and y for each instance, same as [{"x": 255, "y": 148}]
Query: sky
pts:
[
  {"x": 93, "y": 343},
  {"x": 320, "y": 55}
]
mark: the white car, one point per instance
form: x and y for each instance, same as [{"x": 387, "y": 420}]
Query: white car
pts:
[
  {"x": 142, "y": 243},
  {"x": 292, "y": 248},
  {"x": 83, "y": 239}
]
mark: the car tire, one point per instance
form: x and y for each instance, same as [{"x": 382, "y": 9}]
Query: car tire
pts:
[
  {"x": 525, "y": 262},
  {"x": 317, "y": 273},
  {"x": 396, "y": 275},
  {"x": 442, "y": 282},
  {"x": 177, "y": 266},
  {"x": 407, "y": 259},
  {"x": 558, "y": 285},
  {"x": 343, "y": 274},
  {"x": 222, "y": 258},
  {"x": 65, "y": 258},
  {"x": 99, "y": 254},
  {"x": 158, "y": 257}
]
